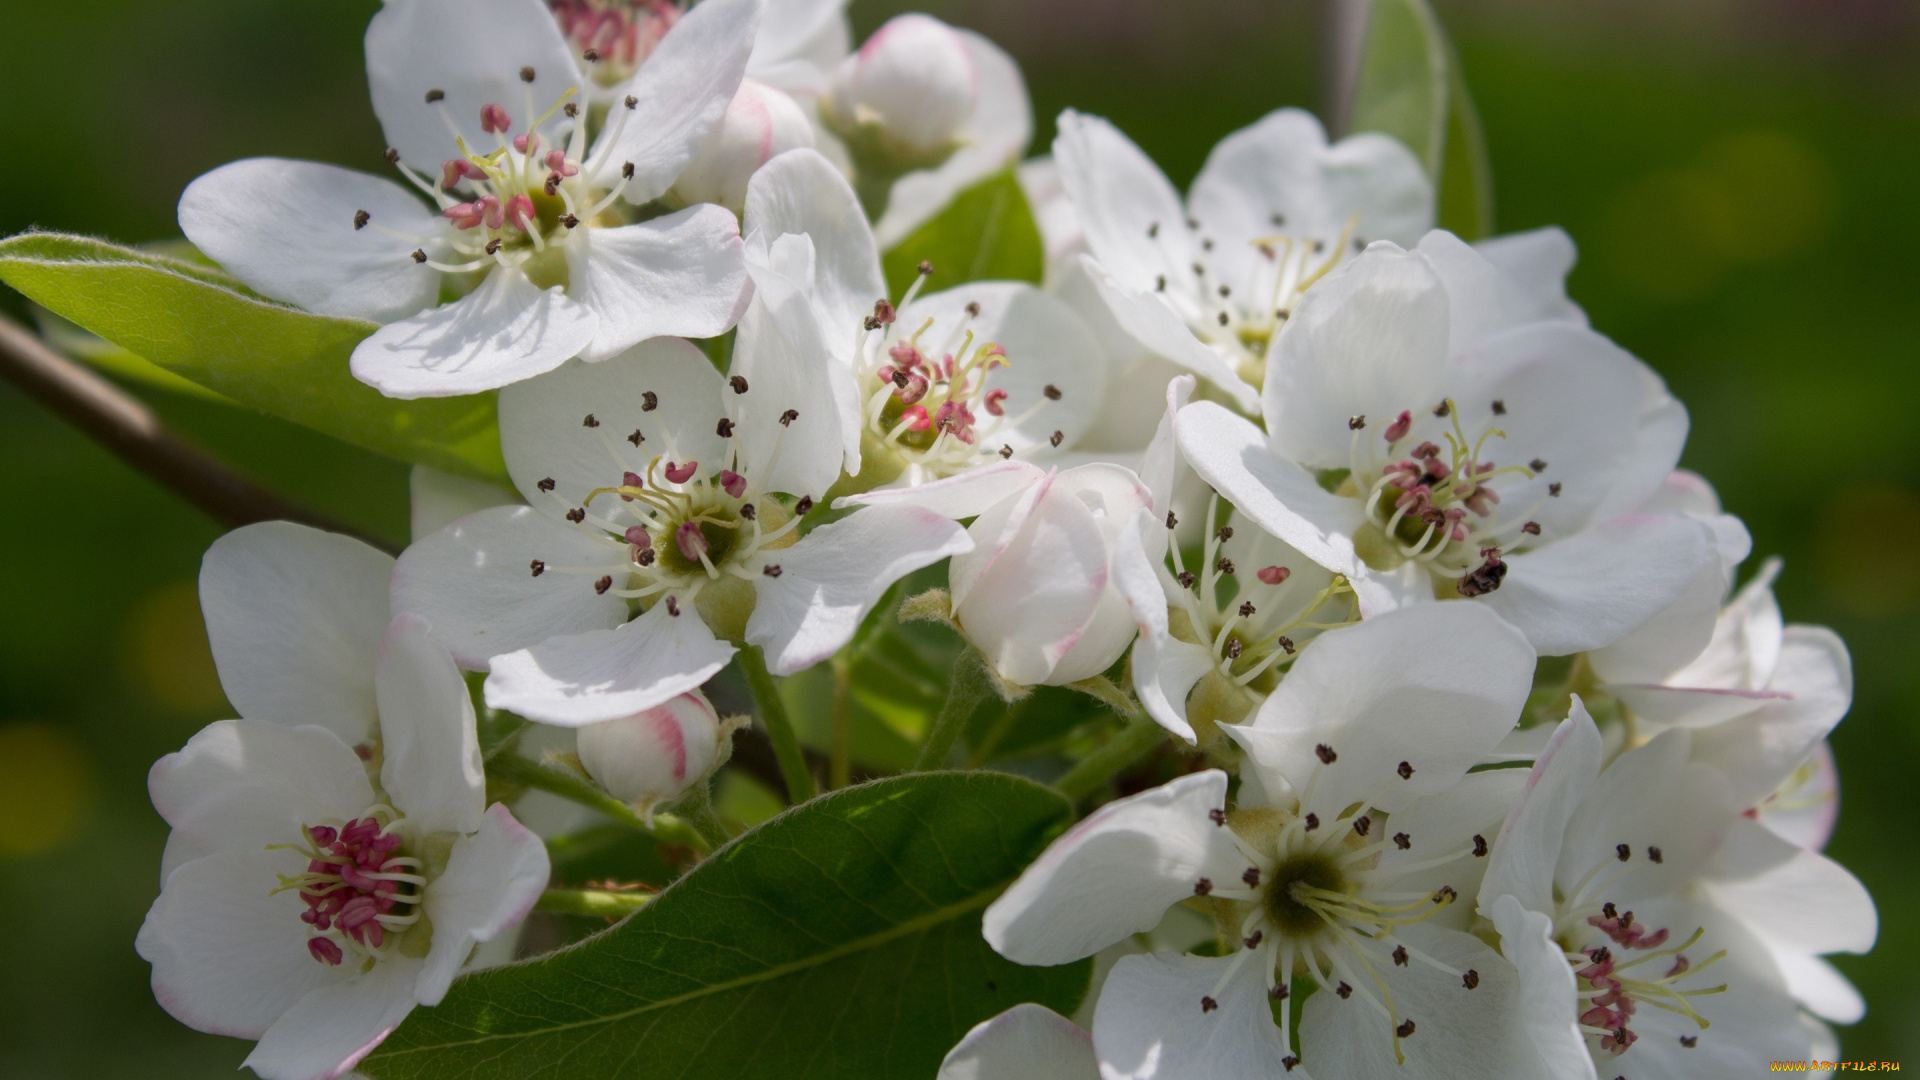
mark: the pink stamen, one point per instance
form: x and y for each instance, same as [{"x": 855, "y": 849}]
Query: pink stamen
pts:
[
  {"x": 520, "y": 211},
  {"x": 558, "y": 164},
  {"x": 494, "y": 119},
  {"x": 454, "y": 170},
  {"x": 466, "y": 215},
  {"x": 492, "y": 213},
  {"x": 680, "y": 474},
  {"x": 1273, "y": 575},
  {"x": 690, "y": 540},
  {"x": 995, "y": 402},
  {"x": 1399, "y": 428},
  {"x": 639, "y": 537},
  {"x": 324, "y": 951},
  {"x": 916, "y": 418},
  {"x": 526, "y": 143},
  {"x": 732, "y": 483}
]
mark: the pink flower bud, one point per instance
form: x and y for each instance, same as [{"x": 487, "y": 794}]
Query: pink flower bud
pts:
[
  {"x": 520, "y": 211},
  {"x": 494, "y": 119},
  {"x": 680, "y": 474},
  {"x": 656, "y": 756},
  {"x": 759, "y": 123},
  {"x": 914, "y": 78}
]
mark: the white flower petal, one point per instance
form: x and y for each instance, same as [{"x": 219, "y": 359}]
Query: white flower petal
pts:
[
  {"x": 473, "y": 581},
  {"x": 1663, "y": 644},
  {"x": 1794, "y": 900},
  {"x": 288, "y": 229},
  {"x": 328, "y": 1031},
  {"x": 584, "y": 678},
  {"x": 1650, "y": 797},
  {"x": 491, "y": 882},
  {"x": 1527, "y": 851},
  {"x": 1149, "y": 1024},
  {"x": 1457, "y": 820},
  {"x": 439, "y": 499},
  {"x": 1457, "y": 1032},
  {"x": 1457, "y": 667},
  {"x": 963, "y": 495},
  {"x": 229, "y": 959},
  {"x": 682, "y": 275},
  {"x": 1027, "y": 1042},
  {"x": 996, "y": 136},
  {"x": 239, "y": 785},
  {"x": 1116, "y": 873},
  {"x": 1593, "y": 588},
  {"x": 1550, "y": 1044},
  {"x": 504, "y": 331},
  {"x": 1231, "y": 455},
  {"x": 1165, "y": 668},
  {"x": 472, "y": 51},
  {"x": 1822, "y": 989},
  {"x": 544, "y": 434},
  {"x": 1486, "y": 297},
  {"x": 800, "y": 192},
  {"x": 1759, "y": 751},
  {"x": 1540, "y": 259},
  {"x": 1161, "y": 468},
  {"x": 295, "y": 616},
  {"x": 830, "y": 580},
  {"x": 431, "y": 753},
  {"x": 1119, "y": 195},
  {"x": 792, "y": 29},
  {"x": 682, "y": 91},
  {"x": 1807, "y": 812},
  {"x": 1154, "y": 326},
  {"x": 782, "y": 352}
]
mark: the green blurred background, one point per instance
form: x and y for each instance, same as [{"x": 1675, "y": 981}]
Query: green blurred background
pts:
[{"x": 1740, "y": 176}]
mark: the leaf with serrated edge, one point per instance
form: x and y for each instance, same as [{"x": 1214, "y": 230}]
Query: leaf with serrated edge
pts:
[
  {"x": 186, "y": 318},
  {"x": 840, "y": 939},
  {"x": 987, "y": 233}
]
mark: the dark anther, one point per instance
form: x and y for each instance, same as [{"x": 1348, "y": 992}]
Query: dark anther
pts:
[
  {"x": 360, "y": 219},
  {"x": 787, "y": 418},
  {"x": 1499, "y": 407},
  {"x": 1223, "y": 318},
  {"x": 1160, "y": 283},
  {"x": 1443, "y": 408},
  {"x": 1052, "y": 392},
  {"x": 724, "y": 428},
  {"x": 1226, "y": 291},
  {"x": 1486, "y": 577},
  {"x": 1531, "y": 528},
  {"x": 603, "y": 585},
  {"x": 577, "y": 515},
  {"x": 1217, "y": 816},
  {"x": 1402, "y": 841},
  {"x": 1186, "y": 579},
  {"x": 537, "y": 567},
  {"x": 1689, "y": 1041},
  {"x": 1225, "y": 532},
  {"x": 739, "y": 384},
  {"x": 1355, "y": 423},
  {"x": 1362, "y": 824},
  {"x": 1057, "y": 438},
  {"x": 1359, "y": 243},
  {"x": 1405, "y": 1029},
  {"x": 771, "y": 569},
  {"x": 673, "y": 607},
  {"x": 973, "y": 307},
  {"x": 1405, "y": 770},
  {"x": 419, "y": 255},
  {"x": 636, "y": 438},
  {"x": 631, "y": 101},
  {"x": 805, "y": 504},
  {"x": 1479, "y": 846},
  {"x": 1254, "y": 941},
  {"x": 392, "y": 156},
  {"x": 590, "y": 421},
  {"x": 1445, "y": 894},
  {"x": 493, "y": 246},
  {"x": 436, "y": 94},
  {"x": 1344, "y": 991},
  {"x": 1171, "y": 520},
  {"x": 1251, "y": 877},
  {"x": 626, "y": 171},
  {"x": 591, "y": 56},
  {"x": 545, "y": 484},
  {"x": 1006, "y": 452},
  {"x": 1207, "y": 1004},
  {"x": 552, "y": 185},
  {"x": 900, "y": 378},
  {"x": 1280, "y": 992},
  {"x": 570, "y": 221},
  {"x": 1471, "y": 980},
  {"x": 1326, "y": 754},
  {"x": 572, "y": 110},
  {"x": 1554, "y": 490},
  {"x": 1537, "y": 465},
  {"x": 1202, "y": 887},
  {"x": 1609, "y": 910},
  {"x": 645, "y": 558},
  {"x": 1153, "y": 230},
  {"x": 1247, "y": 610},
  {"x": 649, "y": 401},
  {"x": 1286, "y": 644},
  {"x": 1655, "y": 854},
  {"x": 1192, "y": 224},
  {"x": 1602, "y": 954},
  {"x": 1206, "y": 244},
  {"x": 925, "y": 268},
  {"x": 1234, "y": 648},
  {"x": 1319, "y": 246},
  {"x": 1289, "y": 1061},
  {"x": 526, "y": 74},
  {"x": 1400, "y": 956},
  {"x": 1199, "y": 271},
  {"x": 1623, "y": 851},
  {"x": 1278, "y": 219},
  {"x": 1313, "y": 822}
]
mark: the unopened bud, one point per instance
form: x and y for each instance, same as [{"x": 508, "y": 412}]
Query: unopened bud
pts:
[
  {"x": 655, "y": 757},
  {"x": 905, "y": 98},
  {"x": 760, "y": 122}
]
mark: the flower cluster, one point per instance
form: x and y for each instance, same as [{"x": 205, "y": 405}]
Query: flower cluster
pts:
[{"x": 1484, "y": 766}]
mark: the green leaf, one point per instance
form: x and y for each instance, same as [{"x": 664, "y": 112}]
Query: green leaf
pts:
[
  {"x": 198, "y": 323},
  {"x": 1410, "y": 87},
  {"x": 987, "y": 233},
  {"x": 840, "y": 939}
]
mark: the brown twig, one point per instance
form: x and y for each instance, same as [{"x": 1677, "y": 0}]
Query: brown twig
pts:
[{"x": 121, "y": 423}]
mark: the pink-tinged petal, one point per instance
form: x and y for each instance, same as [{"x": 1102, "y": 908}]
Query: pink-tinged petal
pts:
[
  {"x": 1595, "y": 587},
  {"x": 331, "y": 1029},
  {"x": 682, "y": 275},
  {"x": 1527, "y": 851},
  {"x": 1027, "y": 1042},
  {"x": 491, "y": 882},
  {"x": 1550, "y": 1042},
  {"x": 828, "y": 582},
  {"x": 1151, "y": 1024},
  {"x": 504, "y": 331},
  {"x": 1761, "y": 749},
  {"x": 1336, "y": 728},
  {"x": 430, "y": 750},
  {"x": 604, "y": 674},
  {"x": 294, "y": 616},
  {"x": 1117, "y": 872},
  {"x": 474, "y": 581},
  {"x": 290, "y": 230},
  {"x": 965, "y": 495}
]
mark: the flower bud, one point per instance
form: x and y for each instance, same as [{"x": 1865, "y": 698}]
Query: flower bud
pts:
[
  {"x": 655, "y": 757},
  {"x": 904, "y": 100},
  {"x": 760, "y": 123}
]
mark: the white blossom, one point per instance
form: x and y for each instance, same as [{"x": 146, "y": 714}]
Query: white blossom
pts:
[
  {"x": 1027, "y": 1042},
  {"x": 655, "y": 757}
]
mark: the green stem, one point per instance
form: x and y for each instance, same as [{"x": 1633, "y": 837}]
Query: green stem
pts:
[
  {"x": 697, "y": 810},
  {"x": 1125, "y": 748},
  {"x": 514, "y": 769},
  {"x": 773, "y": 714},
  {"x": 966, "y": 686},
  {"x": 601, "y": 902},
  {"x": 839, "y": 769}
]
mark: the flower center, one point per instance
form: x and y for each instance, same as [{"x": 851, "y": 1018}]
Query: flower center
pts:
[
  {"x": 614, "y": 37},
  {"x": 1289, "y": 902},
  {"x": 1624, "y": 966},
  {"x": 361, "y": 889}
]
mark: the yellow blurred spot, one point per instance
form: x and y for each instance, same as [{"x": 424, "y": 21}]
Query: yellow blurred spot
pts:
[
  {"x": 171, "y": 659},
  {"x": 1747, "y": 198},
  {"x": 46, "y": 788},
  {"x": 1865, "y": 547}
]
